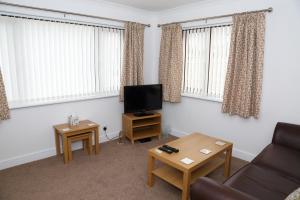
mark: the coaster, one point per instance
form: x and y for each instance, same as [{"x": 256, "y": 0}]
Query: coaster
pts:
[
  {"x": 158, "y": 151},
  {"x": 220, "y": 143},
  {"x": 205, "y": 151},
  {"x": 187, "y": 161},
  {"x": 66, "y": 129}
]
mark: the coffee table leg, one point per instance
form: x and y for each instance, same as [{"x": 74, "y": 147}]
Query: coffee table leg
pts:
[
  {"x": 228, "y": 162},
  {"x": 186, "y": 185},
  {"x": 151, "y": 161}
]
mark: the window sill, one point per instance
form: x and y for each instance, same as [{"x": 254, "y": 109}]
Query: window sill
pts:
[
  {"x": 19, "y": 105},
  {"x": 214, "y": 99}
]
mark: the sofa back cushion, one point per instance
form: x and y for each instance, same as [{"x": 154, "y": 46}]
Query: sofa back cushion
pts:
[{"x": 287, "y": 135}]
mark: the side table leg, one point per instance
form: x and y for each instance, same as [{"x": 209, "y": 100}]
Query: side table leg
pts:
[
  {"x": 96, "y": 140},
  {"x": 57, "y": 143},
  {"x": 89, "y": 144},
  {"x": 70, "y": 157},
  {"x": 65, "y": 144}
]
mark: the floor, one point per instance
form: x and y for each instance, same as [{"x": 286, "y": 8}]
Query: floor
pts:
[{"x": 118, "y": 172}]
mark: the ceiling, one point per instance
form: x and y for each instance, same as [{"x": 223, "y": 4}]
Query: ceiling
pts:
[{"x": 153, "y": 5}]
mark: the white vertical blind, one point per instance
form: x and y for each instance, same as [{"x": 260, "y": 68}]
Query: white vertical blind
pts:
[
  {"x": 45, "y": 62},
  {"x": 206, "y": 52},
  {"x": 219, "y": 53},
  {"x": 196, "y": 61}
]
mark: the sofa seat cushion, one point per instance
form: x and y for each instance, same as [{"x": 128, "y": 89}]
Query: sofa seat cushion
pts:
[
  {"x": 262, "y": 183},
  {"x": 281, "y": 158}
]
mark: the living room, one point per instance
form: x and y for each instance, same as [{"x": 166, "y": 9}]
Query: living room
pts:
[{"x": 27, "y": 140}]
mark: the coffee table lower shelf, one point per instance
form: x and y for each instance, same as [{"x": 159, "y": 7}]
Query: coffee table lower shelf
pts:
[{"x": 175, "y": 177}]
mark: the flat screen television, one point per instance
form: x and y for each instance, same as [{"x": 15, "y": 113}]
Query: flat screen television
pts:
[{"x": 142, "y": 99}]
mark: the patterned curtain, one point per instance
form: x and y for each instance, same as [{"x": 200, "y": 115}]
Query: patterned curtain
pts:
[
  {"x": 133, "y": 56},
  {"x": 242, "y": 92},
  {"x": 170, "y": 62},
  {"x": 4, "y": 110}
]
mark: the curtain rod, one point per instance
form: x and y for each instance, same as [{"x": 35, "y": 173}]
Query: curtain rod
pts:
[
  {"x": 216, "y": 17},
  {"x": 57, "y": 20},
  {"x": 65, "y": 12}
]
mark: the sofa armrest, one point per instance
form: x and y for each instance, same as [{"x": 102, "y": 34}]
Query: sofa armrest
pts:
[
  {"x": 207, "y": 189},
  {"x": 287, "y": 135}
]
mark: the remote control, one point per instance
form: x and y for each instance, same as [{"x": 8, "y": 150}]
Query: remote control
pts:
[
  {"x": 171, "y": 148},
  {"x": 165, "y": 150}
]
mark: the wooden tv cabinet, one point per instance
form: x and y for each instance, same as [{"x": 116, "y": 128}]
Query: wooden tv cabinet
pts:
[{"x": 135, "y": 128}]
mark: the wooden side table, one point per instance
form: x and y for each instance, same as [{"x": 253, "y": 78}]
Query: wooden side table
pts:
[
  {"x": 65, "y": 131},
  {"x": 86, "y": 139}
]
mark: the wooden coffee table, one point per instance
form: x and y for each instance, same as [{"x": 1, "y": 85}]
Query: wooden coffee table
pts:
[{"x": 182, "y": 175}]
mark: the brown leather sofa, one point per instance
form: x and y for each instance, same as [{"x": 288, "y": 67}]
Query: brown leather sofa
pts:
[{"x": 272, "y": 175}]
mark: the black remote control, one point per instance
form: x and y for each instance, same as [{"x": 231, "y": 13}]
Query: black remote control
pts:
[
  {"x": 171, "y": 148},
  {"x": 165, "y": 150}
]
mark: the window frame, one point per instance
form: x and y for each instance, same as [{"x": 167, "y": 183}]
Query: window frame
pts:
[
  {"x": 13, "y": 105},
  {"x": 60, "y": 101},
  {"x": 210, "y": 26}
]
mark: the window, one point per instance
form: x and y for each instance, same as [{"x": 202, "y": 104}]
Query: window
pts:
[
  {"x": 206, "y": 52},
  {"x": 44, "y": 61}
]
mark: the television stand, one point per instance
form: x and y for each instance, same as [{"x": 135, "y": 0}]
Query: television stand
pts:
[
  {"x": 141, "y": 127},
  {"x": 141, "y": 114}
]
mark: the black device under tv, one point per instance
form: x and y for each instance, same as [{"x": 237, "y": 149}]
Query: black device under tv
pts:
[
  {"x": 142, "y": 100},
  {"x": 144, "y": 140}
]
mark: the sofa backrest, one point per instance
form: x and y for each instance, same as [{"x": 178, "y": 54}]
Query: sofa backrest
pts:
[{"x": 287, "y": 135}]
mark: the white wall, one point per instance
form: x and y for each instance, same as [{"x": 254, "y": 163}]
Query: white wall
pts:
[
  {"x": 281, "y": 83},
  {"x": 28, "y": 135}
]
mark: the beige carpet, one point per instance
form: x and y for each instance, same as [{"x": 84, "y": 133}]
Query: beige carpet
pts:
[{"x": 118, "y": 172}]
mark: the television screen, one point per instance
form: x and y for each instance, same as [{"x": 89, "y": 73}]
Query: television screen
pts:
[{"x": 142, "y": 98}]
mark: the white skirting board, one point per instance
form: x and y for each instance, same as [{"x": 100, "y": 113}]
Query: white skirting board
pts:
[
  {"x": 238, "y": 153},
  {"x": 45, "y": 153}
]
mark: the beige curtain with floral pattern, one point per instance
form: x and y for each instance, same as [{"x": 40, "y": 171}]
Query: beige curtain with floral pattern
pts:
[
  {"x": 4, "y": 110},
  {"x": 243, "y": 85},
  {"x": 170, "y": 62},
  {"x": 133, "y": 56}
]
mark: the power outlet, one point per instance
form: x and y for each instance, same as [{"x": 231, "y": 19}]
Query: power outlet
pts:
[{"x": 104, "y": 128}]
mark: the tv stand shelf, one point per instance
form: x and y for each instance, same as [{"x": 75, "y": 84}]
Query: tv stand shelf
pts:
[{"x": 135, "y": 128}]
